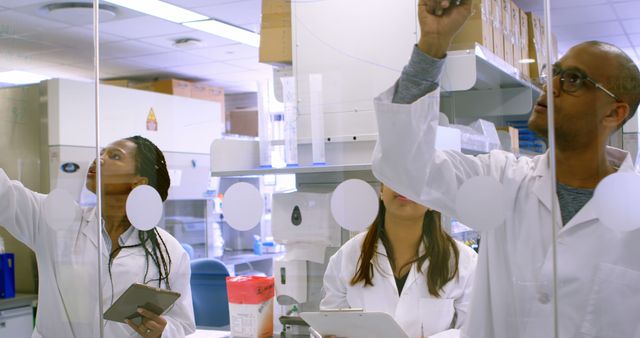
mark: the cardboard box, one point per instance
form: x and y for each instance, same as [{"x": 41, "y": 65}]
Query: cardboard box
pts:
[
  {"x": 244, "y": 122},
  {"x": 117, "y": 83},
  {"x": 515, "y": 35},
  {"x": 507, "y": 36},
  {"x": 524, "y": 43},
  {"x": 498, "y": 31},
  {"x": 166, "y": 86},
  {"x": 276, "y": 6},
  {"x": 514, "y": 136},
  {"x": 210, "y": 93},
  {"x": 477, "y": 29},
  {"x": 275, "y": 33},
  {"x": 537, "y": 46}
]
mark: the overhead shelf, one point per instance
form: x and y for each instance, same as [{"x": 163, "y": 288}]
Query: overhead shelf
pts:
[
  {"x": 293, "y": 170},
  {"x": 476, "y": 83},
  {"x": 479, "y": 69}
]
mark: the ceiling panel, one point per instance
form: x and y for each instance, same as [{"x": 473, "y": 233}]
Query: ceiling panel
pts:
[
  {"x": 135, "y": 45},
  {"x": 67, "y": 71},
  {"x": 123, "y": 68},
  {"x": 64, "y": 57},
  {"x": 73, "y": 37},
  {"x": 15, "y": 23},
  {"x": 142, "y": 27},
  {"x": 250, "y": 64},
  {"x": 206, "y": 70},
  {"x": 171, "y": 59},
  {"x": 621, "y": 41},
  {"x": 226, "y": 53},
  {"x": 76, "y": 17},
  {"x": 22, "y": 62},
  {"x": 589, "y": 30},
  {"x": 582, "y": 14},
  {"x": 208, "y": 40},
  {"x": 236, "y": 13},
  {"x": 22, "y": 46},
  {"x": 191, "y": 4},
  {"x": 129, "y": 48},
  {"x": 628, "y": 10},
  {"x": 635, "y": 39},
  {"x": 631, "y": 26}
]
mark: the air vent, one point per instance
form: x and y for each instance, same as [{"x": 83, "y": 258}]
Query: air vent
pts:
[{"x": 76, "y": 13}]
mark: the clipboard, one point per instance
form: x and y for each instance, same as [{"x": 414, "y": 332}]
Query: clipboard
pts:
[
  {"x": 354, "y": 324},
  {"x": 154, "y": 299}
]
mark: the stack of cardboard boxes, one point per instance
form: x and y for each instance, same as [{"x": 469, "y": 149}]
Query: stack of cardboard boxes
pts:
[
  {"x": 538, "y": 50},
  {"x": 176, "y": 87},
  {"x": 507, "y": 31},
  {"x": 275, "y": 32}
]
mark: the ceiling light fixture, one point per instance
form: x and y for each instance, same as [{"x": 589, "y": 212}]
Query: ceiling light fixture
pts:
[
  {"x": 18, "y": 77},
  {"x": 160, "y": 9},
  {"x": 226, "y": 31},
  {"x": 191, "y": 19}
]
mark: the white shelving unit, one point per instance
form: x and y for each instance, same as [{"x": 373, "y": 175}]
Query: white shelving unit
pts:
[
  {"x": 293, "y": 170},
  {"x": 476, "y": 83}
]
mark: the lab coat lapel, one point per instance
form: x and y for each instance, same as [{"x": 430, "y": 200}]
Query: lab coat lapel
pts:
[
  {"x": 542, "y": 185},
  {"x": 586, "y": 214},
  {"x": 383, "y": 268},
  {"x": 90, "y": 229},
  {"x": 132, "y": 240},
  {"x": 414, "y": 274},
  {"x": 387, "y": 272},
  {"x": 617, "y": 158}
]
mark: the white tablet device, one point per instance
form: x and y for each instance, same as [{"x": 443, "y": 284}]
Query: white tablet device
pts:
[
  {"x": 354, "y": 324},
  {"x": 147, "y": 297}
]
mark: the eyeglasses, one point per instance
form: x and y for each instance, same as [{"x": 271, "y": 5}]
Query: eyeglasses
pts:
[{"x": 572, "y": 80}]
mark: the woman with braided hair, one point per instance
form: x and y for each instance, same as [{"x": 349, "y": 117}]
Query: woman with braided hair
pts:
[{"x": 67, "y": 253}]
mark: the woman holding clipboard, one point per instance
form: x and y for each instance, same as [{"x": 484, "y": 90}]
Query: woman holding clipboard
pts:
[
  {"x": 67, "y": 254},
  {"x": 405, "y": 265}
]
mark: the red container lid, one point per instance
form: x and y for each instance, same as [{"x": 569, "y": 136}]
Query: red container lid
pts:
[{"x": 250, "y": 289}]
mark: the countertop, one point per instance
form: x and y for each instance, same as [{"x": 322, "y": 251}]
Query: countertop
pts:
[{"x": 19, "y": 300}]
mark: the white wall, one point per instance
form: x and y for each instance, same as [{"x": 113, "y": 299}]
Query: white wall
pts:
[
  {"x": 184, "y": 124},
  {"x": 360, "y": 52}
]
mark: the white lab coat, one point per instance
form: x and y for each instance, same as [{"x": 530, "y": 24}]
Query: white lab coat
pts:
[
  {"x": 418, "y": 313},
  {"x": 67, "y": 269},
  {"x": 598, "y": 268}
]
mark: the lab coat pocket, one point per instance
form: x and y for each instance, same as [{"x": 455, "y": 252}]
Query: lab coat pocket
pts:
[
  {"x": 613, "y": 304},
  {"x": 436, "y": 315}
]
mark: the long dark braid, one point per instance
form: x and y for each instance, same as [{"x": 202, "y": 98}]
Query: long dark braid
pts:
[{"x": 150, "y": 163}]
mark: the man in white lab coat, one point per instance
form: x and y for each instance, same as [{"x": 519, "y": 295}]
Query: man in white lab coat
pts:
[{"x": 595, "y": 92}]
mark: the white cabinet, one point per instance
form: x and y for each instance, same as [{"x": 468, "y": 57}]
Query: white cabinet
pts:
[{"x": 16, "y": 322}]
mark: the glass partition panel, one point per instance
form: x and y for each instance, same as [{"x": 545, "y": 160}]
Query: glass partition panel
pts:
[
  {"x": 49, "y": 257},
  {"x": 447, "y": 128},
  {"x": 593, "y": 87}
]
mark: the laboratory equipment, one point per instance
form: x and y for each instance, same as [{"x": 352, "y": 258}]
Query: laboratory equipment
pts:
[
  {"x": 302, "y": 221},
  {"x": 7, "y": 273}
]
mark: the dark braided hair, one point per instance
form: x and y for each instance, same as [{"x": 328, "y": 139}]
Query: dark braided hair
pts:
[{"x": 150, "y": 163}]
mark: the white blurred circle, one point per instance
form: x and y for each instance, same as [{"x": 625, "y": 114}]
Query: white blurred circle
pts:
[
  {"x": 617, "y": 199},
  {"x": 242, "y": 206},
  {"x": 144, "y": 207},
  {"x": 481, "y": 202},
  {"x": 354, "y": 204},
  {"x": 60, "y": 210}
]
